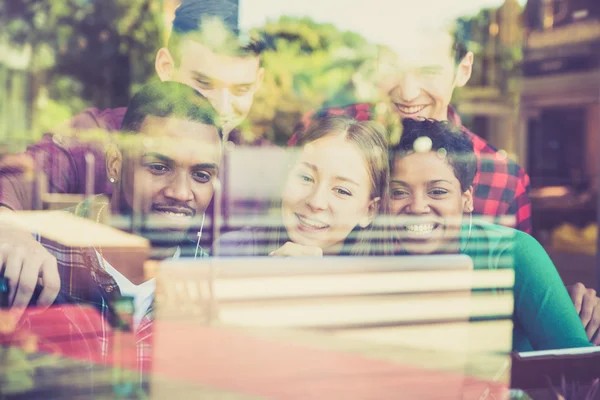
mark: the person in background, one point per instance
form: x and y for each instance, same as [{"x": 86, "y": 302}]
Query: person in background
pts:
[
  {"x": 333, "y": 192},
  {"x": 228, "y": 73},
  {"x": 431, "y": 199},
  {"x": 416, "y": 80}
]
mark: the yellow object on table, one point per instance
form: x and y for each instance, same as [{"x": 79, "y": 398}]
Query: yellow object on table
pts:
[{"x": 569, "y": 238}]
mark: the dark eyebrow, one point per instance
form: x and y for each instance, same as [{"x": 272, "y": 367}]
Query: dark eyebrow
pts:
[
  {"x": 206, "y": 166},
  {"x": 159, "y": 156},
  {"x": 429, "y": 183},
  {"x": 171, "y": 161},
  {"x": 200, "y": 75}
]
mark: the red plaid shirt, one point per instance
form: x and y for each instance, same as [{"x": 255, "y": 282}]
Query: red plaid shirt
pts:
[
  {"x": 61, "y": 157},
  {"x": 501, "y": 187},
  {"x": 85, "y": 282}
]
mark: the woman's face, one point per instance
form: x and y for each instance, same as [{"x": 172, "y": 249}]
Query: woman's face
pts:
[
  {"x": 427, "y": 197},
  {"x": 327, "y": 194}
]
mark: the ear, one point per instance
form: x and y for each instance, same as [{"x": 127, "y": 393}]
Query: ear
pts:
[
  {"x": 260, "y": 76},
  {"x": 114, "y": 162},
  {"x": 468, "y": 200},
  {"x": 464, "y": 70},
  {"x": 164, "y": 65},
  {"x": 371, "y": 213}
]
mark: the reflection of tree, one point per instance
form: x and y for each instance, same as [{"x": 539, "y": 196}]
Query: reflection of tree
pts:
[
  {"x": 495, "y": 39},
  {"x": 96, "y": 52},
  {"x": 307, "y": 65},
  {"x": 83, "y": 51}
]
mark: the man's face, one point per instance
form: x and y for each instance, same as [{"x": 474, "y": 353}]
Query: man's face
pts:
[
  {"x": 229, "y": 82},
  {"x": 419, "y": 75},
  {"x": 169, "y": 179}
]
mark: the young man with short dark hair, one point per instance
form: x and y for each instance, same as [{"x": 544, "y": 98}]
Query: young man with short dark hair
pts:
[
  {"x": 227, "y": 72},
  {"x": 416, "y": 80},
  {"x": 164, "y": 169}
]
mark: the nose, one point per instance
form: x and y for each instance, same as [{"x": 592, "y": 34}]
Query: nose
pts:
[
  {"x": 179, "y": 189},
  {"x": 317, "y": 199},
  {"x": 408, "y": 88},
  {"x": 418, "y": 205},
  {"x": 222, "y": 101}
]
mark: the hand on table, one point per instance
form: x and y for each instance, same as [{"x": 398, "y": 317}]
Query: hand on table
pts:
[
  {"x": 291, "y": 249},
  {"x": 587, "y": 305},
  {"x": 23, "y": 260}
]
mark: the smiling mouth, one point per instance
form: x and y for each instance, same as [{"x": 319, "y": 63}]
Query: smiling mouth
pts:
[
  {"x": 417, "y": 231},
  {"x": 410, "y": 110},
  {"x": 310, "y": 224},
  {"x": 176, "y": 212}
]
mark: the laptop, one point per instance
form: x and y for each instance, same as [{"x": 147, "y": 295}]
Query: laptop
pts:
[
  {"x": 573, "y": 372},
  {"x": 340, "y": 327}
]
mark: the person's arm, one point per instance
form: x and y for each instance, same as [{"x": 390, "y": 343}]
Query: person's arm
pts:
[
  {"x": 61, "y": 156},
  {"x": 587, "y": 305},
  {"x": 23, "y": 260},
  {"x": 521, "y": 205},
  {"x": 17, "y": 173},
  {"x": 291, "y": 249},
  {"x": 542, "y": 305}
]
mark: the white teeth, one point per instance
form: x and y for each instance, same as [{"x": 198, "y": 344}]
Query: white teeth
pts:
[
  {"x": 410, "y": 110},
  {"x": 420, "y": 230},
  {"x": 311, "y": 223},
  {"x": 174, "y": 214}
]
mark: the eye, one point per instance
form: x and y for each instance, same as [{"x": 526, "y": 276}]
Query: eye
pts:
[
  {"x": 438, "y": 192},
  {"x": 342, "y": 191},
  {"x": 204, "y": 84},
  {"x": 157, "y": 169},
  {"x": 202, "y": 176},
  {"x": 241, "y": 90},
  {"x": 305, "y": 178},
  {"x": 398, "y": 194}
]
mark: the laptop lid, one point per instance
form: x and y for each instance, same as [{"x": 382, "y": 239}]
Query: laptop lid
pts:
[{"x": 398, "y": 311}]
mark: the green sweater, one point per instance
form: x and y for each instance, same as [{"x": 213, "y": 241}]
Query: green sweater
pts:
[{"x": 544, "y": 316}]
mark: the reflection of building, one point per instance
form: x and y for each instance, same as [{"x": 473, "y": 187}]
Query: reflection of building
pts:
[
  {"x": 15, "y": 115},
  {"x": 560, "y": 113},
  {"x": 560, "y": 103},
  {"x": 489, "y": 104}
]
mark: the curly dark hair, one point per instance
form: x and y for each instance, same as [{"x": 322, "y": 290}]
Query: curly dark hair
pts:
[{"x": 456, "y": 144}]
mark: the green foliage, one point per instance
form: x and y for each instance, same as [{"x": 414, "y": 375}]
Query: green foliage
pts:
[
  {"x": 95, "y": 53},
  {"x": 83, "y": 52},
  {"x": 307, "y": 65}
]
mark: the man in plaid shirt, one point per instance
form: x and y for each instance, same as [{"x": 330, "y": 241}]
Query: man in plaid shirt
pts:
[
  {"x": 228, "y": 76},
  {"x": 417, "y": 80},
  {"x": 165, "y": 174}
]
